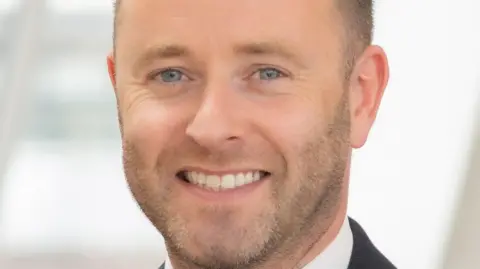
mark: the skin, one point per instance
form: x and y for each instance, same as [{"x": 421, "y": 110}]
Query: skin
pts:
[{"x": 254, "y": 85}]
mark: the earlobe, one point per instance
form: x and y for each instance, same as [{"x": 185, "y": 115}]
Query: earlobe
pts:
[{"x": 111, "y": 69}]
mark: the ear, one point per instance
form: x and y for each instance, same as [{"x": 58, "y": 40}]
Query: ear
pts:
[
  {"x": 111, "y": 69},
  {"x": 113, "y": 80},
  {"x": 367, "y": 85}
]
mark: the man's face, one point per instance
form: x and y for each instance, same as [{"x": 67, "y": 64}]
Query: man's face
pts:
[{"x": 235, "y": 122}]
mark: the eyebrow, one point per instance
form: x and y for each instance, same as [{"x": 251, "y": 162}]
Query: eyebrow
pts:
[
  {"x": 267, "y": 49},
  {"x": 161, "y": 52},
  {"x": 171, "y": 51}
]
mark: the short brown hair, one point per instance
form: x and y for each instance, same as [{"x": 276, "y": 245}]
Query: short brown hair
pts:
[
  {"x": 358, "y": 18},
  {"x": 358, "y": 22}
]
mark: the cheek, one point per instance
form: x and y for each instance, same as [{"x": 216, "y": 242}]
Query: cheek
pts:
[
  {"x": 290, "y": 125},
  {"x": 150, "y": 127},
  {"x": 290, "y": 129}
]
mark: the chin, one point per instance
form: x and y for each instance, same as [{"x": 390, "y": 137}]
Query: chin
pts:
[{"x": 220, "y": 253}]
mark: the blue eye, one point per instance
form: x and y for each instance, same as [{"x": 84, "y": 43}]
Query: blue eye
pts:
[
  {"x": 170, "y": 75},
  {"x": 269, "y": 74}
]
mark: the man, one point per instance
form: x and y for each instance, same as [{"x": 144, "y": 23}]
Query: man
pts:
[{"x": 238, "y": 119}]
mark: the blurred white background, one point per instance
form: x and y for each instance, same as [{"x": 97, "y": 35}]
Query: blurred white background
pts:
[{"x": 63, "y": 199}]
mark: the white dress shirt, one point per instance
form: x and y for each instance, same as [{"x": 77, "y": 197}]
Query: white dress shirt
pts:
[{"x": 335, "y": 256}]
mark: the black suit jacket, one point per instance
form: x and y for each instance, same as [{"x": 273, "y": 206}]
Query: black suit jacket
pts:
[{"x": 364, "y": 254}]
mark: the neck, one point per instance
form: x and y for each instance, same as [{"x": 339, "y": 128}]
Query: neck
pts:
[
  {"x": 323, "y": 240},
  {"x": 327, "y": 238}
]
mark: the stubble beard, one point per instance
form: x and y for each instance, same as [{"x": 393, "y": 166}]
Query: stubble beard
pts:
[{"x": 299, "y": 213}]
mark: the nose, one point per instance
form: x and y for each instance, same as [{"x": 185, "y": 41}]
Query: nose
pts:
[{"x": 216, "y": 125}]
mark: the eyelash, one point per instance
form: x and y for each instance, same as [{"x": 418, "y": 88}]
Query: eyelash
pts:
[
  {"x": 154, "y": 75},
  {"x": 281, "y": 73}
]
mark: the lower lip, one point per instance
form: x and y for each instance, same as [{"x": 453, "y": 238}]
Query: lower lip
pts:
[{"x": 224, "y": 194}]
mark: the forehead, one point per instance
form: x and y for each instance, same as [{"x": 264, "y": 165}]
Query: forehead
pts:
[{"x": 144, "y": 23}]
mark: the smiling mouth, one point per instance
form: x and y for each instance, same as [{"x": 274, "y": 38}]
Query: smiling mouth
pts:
[{"x": 219, "y": 182}]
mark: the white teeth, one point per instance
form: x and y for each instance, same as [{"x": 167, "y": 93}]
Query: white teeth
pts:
[
  {"x": 228, "y": 181},
  {"x": 248, "y": 178},
  {"x": 191, "y": 176},
  {"x": 213, "y": 182},
  {"x": 256, "y": 176},
  {"x": 201, "y": 179},
  {"x": 240, "y": 179}
]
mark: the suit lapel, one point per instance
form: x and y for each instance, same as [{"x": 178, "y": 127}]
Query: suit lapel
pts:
[
  {"x": 364, "y": 254},
  {"x": 162, "y": 267}
]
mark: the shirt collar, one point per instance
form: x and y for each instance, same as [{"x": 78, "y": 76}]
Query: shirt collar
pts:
[{"x": 336, "y": 256}]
